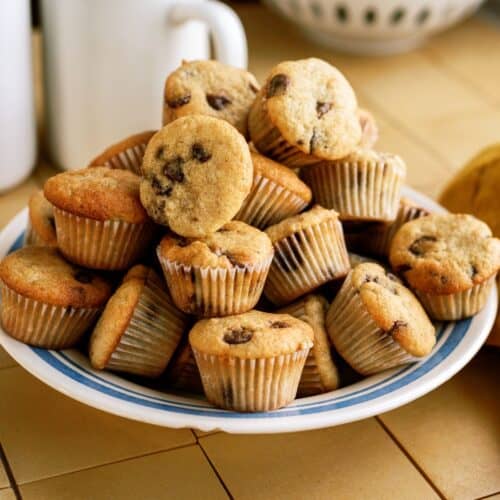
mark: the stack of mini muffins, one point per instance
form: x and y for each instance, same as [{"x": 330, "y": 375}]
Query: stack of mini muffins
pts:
[{"x": 196, "y": 254}]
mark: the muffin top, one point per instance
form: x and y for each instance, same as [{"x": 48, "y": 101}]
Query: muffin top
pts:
[
  {"x": 315, "y": 215},
  {"x": 234, "y": 244},
  {"x": 369, "y": 129},
  {"x": 40, "y": 273},
  {"x": 210, "y": 88},
  {"x": 197, "y": 173},
  {"x": 139, "y": 271},
  {"x": 394, "y": 308},
  {"x": 313, "y": 106},
  {"x": 253, "y": 334},
  {"x": 41, "y": 215},
  {"x": 100, "y": 193},
  {"x": 445, "y": 253},
  {"x": 281, "y": 175}
]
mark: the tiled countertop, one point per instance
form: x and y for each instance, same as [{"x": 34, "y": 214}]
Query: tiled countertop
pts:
[{"x": 436, "y": 107}]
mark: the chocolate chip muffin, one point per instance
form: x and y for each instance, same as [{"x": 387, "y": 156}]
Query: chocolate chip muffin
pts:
[
  {"x": 369, "y": 129},
  {"x": 41, "y": 228},
  {"x": 364, "y": 185},
  {"x": 449, "y": 260},
  {"x": 100, "y": 221},
  {"x": 277, "y": 193},
  {"x": 309, "y": 251},
  {"x": 219, "y": 275},
  {"x": 237, "y": 357},
  {"x": 197, "y": 173},
  {"x": 210, "y": 88},
  {"x": 374, "y": 238},
  {"x": 139, "y": 329},
  {"x": 375, "y": 323},
  {"x": 46, "y": 301},
  {"x": 126, "y": 154},
  {"x": 306, "y": 112},
  {"x": 320, "y": 373}
]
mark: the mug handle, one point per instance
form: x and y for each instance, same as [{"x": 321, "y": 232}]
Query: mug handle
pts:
[{"x": 229, "y": 38}]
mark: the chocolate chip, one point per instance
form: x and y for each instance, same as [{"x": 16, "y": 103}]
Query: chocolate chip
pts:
[
  {"x": 180, "y": 101},
  {"x": 312, "y": 141},
  {"x": 392, "y": 277},
  {"x": 473, "y": 270},
  {"x": 419, "y": 246},
  {"x": 396, "y": 326},
  {"x": 279, "y": 324},
  {"x": 159, "y": 152},
  {"x": 218, "y": 102},
  {"x": 371, "y": 279},
  {"x": 300, "y": 142},
  {"x": 223, "y": 230},
  {"x": 182, "y": 242},
  {"x": 404, "y": 268},
  {"x": 322, "y": 108},
  {"x": 52, "y": 222},
  {"x": 198, "y": 152},
  {"x": 289, "y": 258},
  {"x": 158, "y": 188},
  {"x": 444, "y": 280},
  {"x": 253, "y": 88},
  {"x": 278, "y": 85},
  {"x": 173, "y": 169},
  {"x": 83, "y": 276},
  {"x": 238, "y": 335},
  {"x": 231, "y": 258}
]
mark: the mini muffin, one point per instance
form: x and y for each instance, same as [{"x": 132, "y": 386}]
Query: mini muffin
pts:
[
  {"x": 126, "y": 154},
  {"x": 362, "y": 186},
  {"x": 309, "y": 251},
  {"x": 253, "y": 361},
  {"x": 277, "y": 193},
  {"x": 139, "y": 329},
  {"x": 221, "y": 274},
  {"x": 374, "y": 238},
  {"x": 306, "y": 112},
  {"x": 369, "y": 129},
  {"x": 100, "y": 221},
  {"x": 41, "y": 228},
  {"x": 210, "y": 88},
  {"x": 320, "y": 373},
  {"x": 46, "y": 301},
  {"x": 182, "y": 371},
  {"x": 375, "y": 323},
  {"x": 449, "y": 260},
  {"x": 197, "y": 173}
]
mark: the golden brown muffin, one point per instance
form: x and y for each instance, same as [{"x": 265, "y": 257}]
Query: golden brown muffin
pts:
[{"x": 41, "y": 228}]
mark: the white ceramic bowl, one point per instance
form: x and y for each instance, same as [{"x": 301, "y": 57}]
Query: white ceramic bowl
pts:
[{"x": 373, "y": 26}]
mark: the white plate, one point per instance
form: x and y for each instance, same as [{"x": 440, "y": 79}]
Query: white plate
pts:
[{"x": 69, "y": 372}]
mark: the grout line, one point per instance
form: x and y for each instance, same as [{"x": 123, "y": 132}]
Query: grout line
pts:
[
  {"x": 10, "y": 474},
  {"x": 216, "y": 472},
  {"x": 98, "y": 466},
  {"x": 410, "y": 458},
  {"x": 488, "y": 496}
]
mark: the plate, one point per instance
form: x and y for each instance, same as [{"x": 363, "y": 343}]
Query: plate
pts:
[{"x": 69, "y": 372}]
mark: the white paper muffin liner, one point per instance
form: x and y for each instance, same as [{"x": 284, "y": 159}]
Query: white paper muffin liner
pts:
[
  {"x": 269, "y": 203},
  {"x": 367, "y": 192},
  {"x": 152, "y": 335},
  {"x": 32, "y": 238},
  {"x": 457, "y": 306},
  {"x": 43, "y": 325},
  {"x": 183, "y": 371},
  {"x": 108, "y": 245},
  {"x": 214, "y": 292},
  {"x": 128, "y": 159},
  {"x": 250, "y": 385},
  {"x": 305, "y": 260},
  {"x": 377, "y": 238},
  {"x": 314, "y": 376},
  {"x": 358, "y": 339}
]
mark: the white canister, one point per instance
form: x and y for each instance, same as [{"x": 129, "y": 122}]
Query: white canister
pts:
[
  {"x": 17, "y": 110},
  {"x": 105, "y": 64}
]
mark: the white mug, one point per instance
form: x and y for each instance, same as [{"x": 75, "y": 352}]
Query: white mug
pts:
[{"x": 105, "y": 64}]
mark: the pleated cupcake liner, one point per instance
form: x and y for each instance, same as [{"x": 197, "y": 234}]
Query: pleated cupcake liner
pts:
[
  {"x": 357, "y": 337},
  {"x": 305, "y": 260},
  {"x": 457, "y": 306},
  {"x": 43, "y": 325},
  {"x": 316, "y": 378},
  {"x": 108, "y": 245},
  {"x": 377, "y": 237},
  {"x": 128, "y": 159},
  {"x": 250, "y": 385},
  {"x": 32, "y": 238},
  {"x": 213, "y": 292},
  {"x": 367, "y": 191},
  {"x": 152, "y": 335},
  {"x": 269, "y": 203},
  {"x": 183, "y": 371}
]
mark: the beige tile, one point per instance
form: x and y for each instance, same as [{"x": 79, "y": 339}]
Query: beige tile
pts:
[
  {"x": 199, "y": 433},
  {"x": 453, "y": 433},
  {"x": 4, "y": 480},
  {"x": 54, "y": 435},
  {"x": 5, "y": 360},
  {"x": 7, "y": 494},
  {"x": 183, "y": 473},
  {"x": 358, "y": 460}
]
